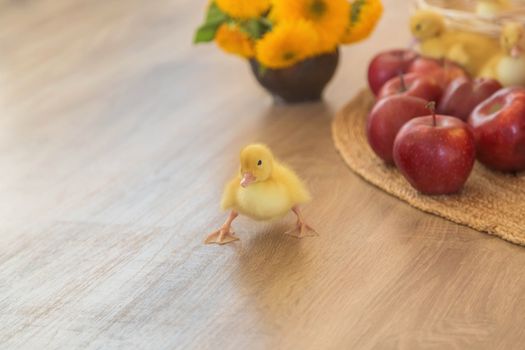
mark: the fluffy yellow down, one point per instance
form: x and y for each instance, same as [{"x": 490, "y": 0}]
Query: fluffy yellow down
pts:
[{"x": 274, "y": 193}]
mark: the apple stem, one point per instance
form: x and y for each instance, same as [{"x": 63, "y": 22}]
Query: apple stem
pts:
[
  {"x": 432, "y": 107},
  {"x": 402, "y": 80}
]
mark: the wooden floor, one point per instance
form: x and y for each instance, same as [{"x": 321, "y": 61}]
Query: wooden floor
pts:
[{"x": 116, "y": 137}]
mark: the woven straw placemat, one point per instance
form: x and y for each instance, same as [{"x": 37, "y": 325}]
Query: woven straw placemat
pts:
[{"x": 490, "y": 202}]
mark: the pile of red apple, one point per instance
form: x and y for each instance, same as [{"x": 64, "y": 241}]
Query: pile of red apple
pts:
[{"x": 436, "y": 152}]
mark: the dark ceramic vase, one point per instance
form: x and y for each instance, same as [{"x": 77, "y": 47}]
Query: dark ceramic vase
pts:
[{"x": 303, "y": 82}]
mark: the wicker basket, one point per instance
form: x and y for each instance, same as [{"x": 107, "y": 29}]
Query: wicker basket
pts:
[{"x": 461, "y": 15}]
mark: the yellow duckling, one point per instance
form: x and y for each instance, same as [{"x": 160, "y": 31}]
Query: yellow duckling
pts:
[
  {"x": 509, "y": 66},
  {"x": 436, "y": 41},
  {"x": 490, "y": 8},
  {"x": 263, "y": 189}
]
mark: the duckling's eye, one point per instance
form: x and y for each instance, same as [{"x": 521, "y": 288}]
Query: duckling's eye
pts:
[
  {"x": 259, "y": 163},
  {"x": 418, "y": 27}
]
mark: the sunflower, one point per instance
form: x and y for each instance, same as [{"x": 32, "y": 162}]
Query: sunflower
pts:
[
  {"x": 328, "y": 17},
  {"x": 364, "y": 15},
  {"x": 288, "y": 43},
  {"x": 243, "y": 9},
  {"x": 231, "y": 39}
]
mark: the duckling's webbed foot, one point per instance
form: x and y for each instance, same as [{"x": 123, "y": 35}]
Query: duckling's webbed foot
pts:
[
  {"x": 221, "y": 237},
  {"x": 224, "y": 234},
  {"x": 302, "y": 229}
]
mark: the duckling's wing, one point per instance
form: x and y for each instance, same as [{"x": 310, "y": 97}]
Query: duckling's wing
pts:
[
  {"x": 295, "y": 186},
  {"x": 229, "y": 196}
]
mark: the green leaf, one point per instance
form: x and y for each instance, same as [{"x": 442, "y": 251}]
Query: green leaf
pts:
[
  {"x": 266, "y": 22},
  {"x": 214, "y": 18},
  {"x": 215, "y": 14},
  {"x": 205, "y": 33},
  {"x": 255, "y": 28},
  {"x": 261, "y": 71},
  {"x": 355, "y": 10}
]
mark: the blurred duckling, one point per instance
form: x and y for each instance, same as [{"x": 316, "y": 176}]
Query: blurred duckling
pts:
[
  {"x": 509, "y": 66},
  {"x": 264, "y": 189},
  {"x": 490, "y": 8},
  {"x": 427, "y": 28},
  {"x": 465, "y": 48}
]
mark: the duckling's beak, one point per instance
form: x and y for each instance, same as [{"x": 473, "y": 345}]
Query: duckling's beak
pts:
[
  {"x": 516, "y": 51},
  {"x": 247, "y": 179},
  {"x": 413, "y": 43}
]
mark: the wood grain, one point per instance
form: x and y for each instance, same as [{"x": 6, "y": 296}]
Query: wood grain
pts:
[{"x": 117, "y": 136}]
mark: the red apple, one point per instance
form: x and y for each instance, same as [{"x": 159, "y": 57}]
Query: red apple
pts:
[
  {"x": 463, "y": 95},
  {"x": 499, "y": 128},
  {"x": 435, "y": 153},
  {"x": 387, "y": 117},
  {"x": 444, "y": 71},
  {"x": 412, "y": 84},
  {"x": 386, "y": 65}
]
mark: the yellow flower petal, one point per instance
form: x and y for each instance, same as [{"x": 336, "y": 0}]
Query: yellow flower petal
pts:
[
  {"x": 329, "y": 18},
  {"x": 244, "y": 9},
  {"x": 231, "y": 39},
  {"x": 287, "y": 44},
  {"x": 364, "y": 16}
]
